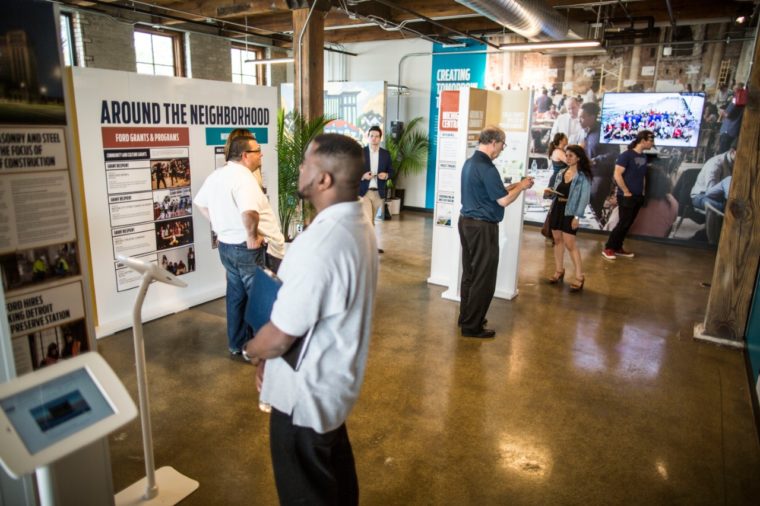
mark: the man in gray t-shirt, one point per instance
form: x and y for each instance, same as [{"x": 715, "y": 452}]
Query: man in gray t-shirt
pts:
[{"x": 324, "y": 309}]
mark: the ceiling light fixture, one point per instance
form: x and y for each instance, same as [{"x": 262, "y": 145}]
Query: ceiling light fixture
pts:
[
  {"x": 270, "y": 60},
  {"x": 553, "y": 44}
]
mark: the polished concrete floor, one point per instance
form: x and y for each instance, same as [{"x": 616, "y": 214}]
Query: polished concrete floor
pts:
[{"x": 595, "y": 398}]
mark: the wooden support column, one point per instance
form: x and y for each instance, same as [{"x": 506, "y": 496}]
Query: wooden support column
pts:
[
  {"x": 738, "y": 257},
  {"x": 309, "y": 74}
]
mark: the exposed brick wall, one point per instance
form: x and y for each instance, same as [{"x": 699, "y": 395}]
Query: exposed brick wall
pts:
[
  {"x": 210, "y": 57},
  {"x": 108, "y": 44}
]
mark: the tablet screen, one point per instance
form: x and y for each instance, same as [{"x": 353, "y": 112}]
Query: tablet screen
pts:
[{"x": 52, "y": 411}]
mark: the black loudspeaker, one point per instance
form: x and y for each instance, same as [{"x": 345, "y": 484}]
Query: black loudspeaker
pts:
[{"x": 397, "y": 128}]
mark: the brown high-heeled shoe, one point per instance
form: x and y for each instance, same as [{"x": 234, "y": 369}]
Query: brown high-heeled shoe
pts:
[
  {"x": 577, "y": 287},
  {"x": 557, "y": 278}
]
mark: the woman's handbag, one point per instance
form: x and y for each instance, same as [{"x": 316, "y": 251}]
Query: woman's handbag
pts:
[{"x": 546, "y": 229}]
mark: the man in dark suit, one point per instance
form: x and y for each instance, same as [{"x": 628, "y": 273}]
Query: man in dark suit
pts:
[{"x": 377, "y": 171}]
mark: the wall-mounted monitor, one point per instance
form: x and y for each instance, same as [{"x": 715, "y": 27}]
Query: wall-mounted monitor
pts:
[{"x": 675, "y": 118}]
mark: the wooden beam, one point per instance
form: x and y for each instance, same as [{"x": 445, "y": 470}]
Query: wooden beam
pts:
[
  {"x": 309, "y": 76},
  {"x": 228, "y": 9},
  {"x": 736, "y": 264}
]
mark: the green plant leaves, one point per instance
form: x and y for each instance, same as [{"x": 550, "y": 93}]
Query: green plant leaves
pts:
[
  {"x": 409, "y": 151},
  {"x": 294, "y": 133}
]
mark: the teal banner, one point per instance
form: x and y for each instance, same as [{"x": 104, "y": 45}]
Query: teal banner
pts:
[
  {"x": 218, "y": 136},
  {"x": 453, "y": 68},
  {"x": 753, "y": 334}
]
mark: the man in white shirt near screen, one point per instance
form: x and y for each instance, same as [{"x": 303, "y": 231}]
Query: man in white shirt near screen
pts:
[
  {"x": 326, "y": 299},
  {"x": 568, "y": 122},
  {"x": 248, "y": 231}
]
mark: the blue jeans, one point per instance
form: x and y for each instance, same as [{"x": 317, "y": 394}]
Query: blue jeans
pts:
[
  {"x": 699, "y": 201},
  {"x": 240, "y": 264},
  {"x": 716, "y": 195}
]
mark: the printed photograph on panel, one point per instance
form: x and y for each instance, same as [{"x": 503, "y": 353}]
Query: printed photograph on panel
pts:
[
  {"x": 47, "y": 347},
  {"x": 173, "y": 233},
  {"x": 38, "y": 265},
  {"x": 173, "y": 173},
  {"x": 172, "y": 203},
  {"x": 179, "y": 261},
  {"x": 31, "y": 90}
]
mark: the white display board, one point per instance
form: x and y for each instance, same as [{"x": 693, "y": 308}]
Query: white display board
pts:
[
  {"x": 450, "y": 157},
  {"x": 147, "y": 143},
  {"x": 474, "y": 110}
]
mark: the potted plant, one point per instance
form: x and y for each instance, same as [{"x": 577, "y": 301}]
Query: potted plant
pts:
[
  {"x": 408, "y": 154},
  {"x": 294, "y": 132}
]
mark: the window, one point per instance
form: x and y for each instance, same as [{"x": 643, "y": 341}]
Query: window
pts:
[
  {"x": 246, "y": 73},
  {"x": 158, "y": 53},
  {"x": 71, "y": 40}
]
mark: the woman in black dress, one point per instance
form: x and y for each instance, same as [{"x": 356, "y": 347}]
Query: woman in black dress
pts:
[{"x": 571, "y": 193}]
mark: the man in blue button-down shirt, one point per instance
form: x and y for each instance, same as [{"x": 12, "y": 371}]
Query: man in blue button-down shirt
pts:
[{"x": 484, "y": 198}]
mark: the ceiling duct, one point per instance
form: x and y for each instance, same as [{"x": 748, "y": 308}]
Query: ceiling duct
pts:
[{"x": 533, "y": 19}]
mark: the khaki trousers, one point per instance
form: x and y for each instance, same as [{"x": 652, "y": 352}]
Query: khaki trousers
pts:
[{"x": 371, "y": 202}]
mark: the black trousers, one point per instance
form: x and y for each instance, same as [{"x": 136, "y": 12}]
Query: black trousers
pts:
[
  {"x": 312, "y": 468},
  {"x": 480, "y": 263},
  {"x": 628, "y": 209}
]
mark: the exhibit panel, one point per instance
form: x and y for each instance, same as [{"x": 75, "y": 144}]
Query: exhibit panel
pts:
[
  {"x": 146, "y": 143},
  {"x": 40, "y": 261},
  {"x": 450, "y": 156},
  {"x": 464, "y": 114},
  {"x": 515, "y": 109},
  {"x": 45, "y": 290}
]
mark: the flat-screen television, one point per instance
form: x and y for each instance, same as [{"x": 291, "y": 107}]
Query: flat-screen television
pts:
[{"x": 674, "y": 117}]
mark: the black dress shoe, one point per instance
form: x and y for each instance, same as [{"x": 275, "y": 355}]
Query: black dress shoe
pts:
[
  {"x": 485, "y": 321},
  {"x": 482, "y": 333},
  {"x": 380, "y": 250}
]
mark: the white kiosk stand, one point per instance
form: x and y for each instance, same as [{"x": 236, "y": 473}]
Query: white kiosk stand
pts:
[
  {"x": 463, "y": 114},
  {"x": 173, "y": 486},
  {"x": 56, "y": 411}
]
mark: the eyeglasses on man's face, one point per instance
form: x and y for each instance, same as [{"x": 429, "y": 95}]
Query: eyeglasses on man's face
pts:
[{"x": 258, "y": 150}]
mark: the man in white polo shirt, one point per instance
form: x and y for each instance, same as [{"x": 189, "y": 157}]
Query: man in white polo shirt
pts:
[
  {"x": 324, "y": 307},
  {"x": 248, "y": 231}
]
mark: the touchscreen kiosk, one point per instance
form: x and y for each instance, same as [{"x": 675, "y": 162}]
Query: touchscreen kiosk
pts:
[{"x": 59, "y": 409}]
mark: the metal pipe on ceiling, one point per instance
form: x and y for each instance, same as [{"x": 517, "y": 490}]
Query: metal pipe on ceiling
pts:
[
  {"x": 393, "y": 5},
  {"x": 533, "y": 19}
]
